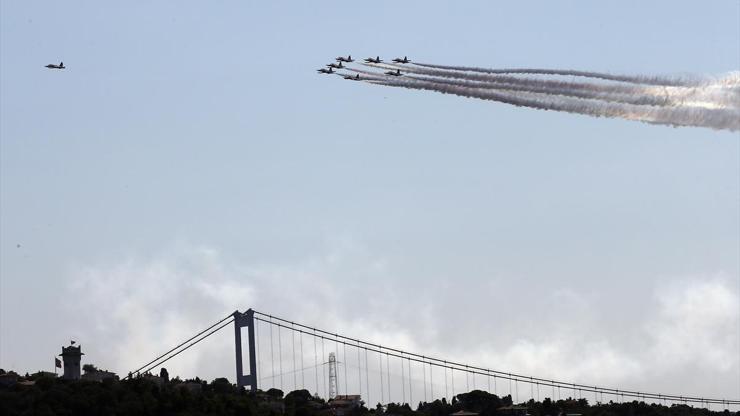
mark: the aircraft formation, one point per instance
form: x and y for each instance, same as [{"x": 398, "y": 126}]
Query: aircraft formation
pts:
[
  {"x": 700, "y": 101},
  {"x": 341, "y": 60}
]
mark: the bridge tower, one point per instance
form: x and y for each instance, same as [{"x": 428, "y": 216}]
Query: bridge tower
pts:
[
  {"x": 332, "y": 376},
  {"x": 242, "y": 320}
]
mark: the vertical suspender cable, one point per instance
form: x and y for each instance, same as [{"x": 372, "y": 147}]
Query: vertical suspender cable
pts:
[
  {"x": 295, "y": 371},
  {"x": 367, "y": 379},
  {"x": 380, "y": 365},
  {"x": 316, "y": 361},
  {"x": 303, "y": 373},
  {"x": 346, "y": 362},
  {"x": 488, "y": 379},
  {"x": 325, "y": 381},
  {"x": 411, "y": 393},
  {"x": 446, "y": 392},
  {"x": 272, "y": 356},
  {"x": 336, "y": 351},
  {"x": 467, "y": 380},
  {"x": 403, "y": 383},
  {"x": 431, "y": 382},
  {"x": 424, "y": 370},
  {"x": 359, "y": 369},
  {"x": 531, "y": 388},
  {"x": 452, "y": 377},
  {"x": 257, "y": 346},
  {"x": 388, "y": 368},
  {"x": 280, "y": 358}
]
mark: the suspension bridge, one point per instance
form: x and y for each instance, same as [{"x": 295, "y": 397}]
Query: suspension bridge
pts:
[{"x": 289, "y": 355}]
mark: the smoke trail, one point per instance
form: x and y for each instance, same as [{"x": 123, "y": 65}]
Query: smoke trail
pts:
[
  {"x": 674, "y": 116},
  {"x": 648, "y": 80},
  {"x": 721, "y": 93},
  {"x": 656, "y": 96},
  {"x": 546, "y": 87}
]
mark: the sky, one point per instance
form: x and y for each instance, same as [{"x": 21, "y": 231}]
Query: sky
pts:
[{"x": 190, "y": 162}]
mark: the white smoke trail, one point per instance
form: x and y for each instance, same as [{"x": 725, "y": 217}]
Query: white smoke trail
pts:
[
  {"x": 648, "y": 80},
  {"x": 716, "y": 118},
  {"x": 722, "y": 93},
  {"x": 546, "y": 87},
  {"x": 637, "y": 95}
]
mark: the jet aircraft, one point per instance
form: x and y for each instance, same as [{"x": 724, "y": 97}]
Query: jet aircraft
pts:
[
  {"x": 337, "y": 66},
  {"x": 352, "y": 78},
  {"x": 405, "y": 60},
  {"x": 396, "y": 73},
  {"x": 60, "y": 66},
  {"x": 375, "y": 60},
  {"x": 343, "y": 59},
  {"x": 325, "y": 71}
]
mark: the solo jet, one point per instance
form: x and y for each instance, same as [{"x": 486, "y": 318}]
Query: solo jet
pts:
[
  {"x": 375, "y": 60},
  {"x": 336, "y": 66},
  {"x": 405, "y": 60},
  {"x": 60, "y": 66},
  {"x": 352, "y": 78},
  {"x": 397, "y": 73},
  {"x": 325, "y": 71},
  {"x": 343, "y": 59}
]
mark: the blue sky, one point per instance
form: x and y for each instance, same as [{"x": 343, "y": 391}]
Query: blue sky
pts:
[{"x": 187, "y": 137}]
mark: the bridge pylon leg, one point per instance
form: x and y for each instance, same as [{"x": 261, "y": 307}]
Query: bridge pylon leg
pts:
[{"x": 242, "y": 320}]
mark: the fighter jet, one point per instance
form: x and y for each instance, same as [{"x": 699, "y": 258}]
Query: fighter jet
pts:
[
  {"x": 375, "y": 60},
  {"x": 397, "y": 73},
  {"x": 352, "y": 78},
  {"x": 343, "y": 59},
  {"x": 325, "y": 71},
  {"x": 60, "y": 66},
  {"x": 336, "y": 66},
  {"x": 405, "y": 60}
]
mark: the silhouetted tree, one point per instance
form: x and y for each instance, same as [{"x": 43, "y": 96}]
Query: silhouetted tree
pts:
[
  {"x": 164, "y": 374},
  {"x": 89, "y": 368},
  {"x": 275, "y": 393}
]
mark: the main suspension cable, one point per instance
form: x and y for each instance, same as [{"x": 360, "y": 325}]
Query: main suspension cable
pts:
[{"x": 178, "y": 346}]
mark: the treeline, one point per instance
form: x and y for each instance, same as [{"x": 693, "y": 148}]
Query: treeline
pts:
[{"x": 149, "y": 396}]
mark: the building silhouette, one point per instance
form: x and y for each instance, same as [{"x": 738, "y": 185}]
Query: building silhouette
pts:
[{"x": 71, "y": 356}]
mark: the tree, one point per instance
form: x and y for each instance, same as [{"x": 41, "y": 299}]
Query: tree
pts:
[
  {"x": 89, "y": 369},
  {"x": 275, "y": 393},
  {"x": 164, "y": 375}
]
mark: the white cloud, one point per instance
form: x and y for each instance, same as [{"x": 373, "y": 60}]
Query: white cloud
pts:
[{"x": 697, "y": 324}]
